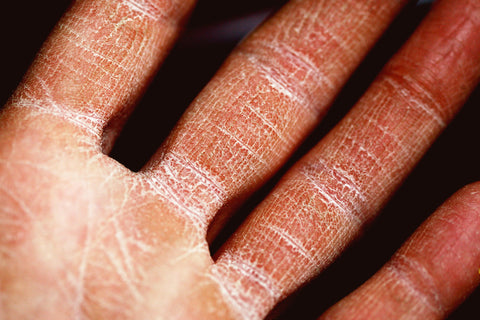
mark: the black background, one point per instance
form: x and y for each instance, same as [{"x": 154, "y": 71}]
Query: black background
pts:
[{"x": 452, "y": 162}]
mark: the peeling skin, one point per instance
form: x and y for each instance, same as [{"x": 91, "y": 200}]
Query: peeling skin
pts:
[
  {"x": 373, "y": 147},
  {"x": 82, "y": 237},
  {"x": 177, "y": 173},
  {"x": 98, "y": 61},
  {"x": 271, "y": 92}
]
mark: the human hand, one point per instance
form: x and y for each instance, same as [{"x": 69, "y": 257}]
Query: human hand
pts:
[{"x": 83, "y": 237}]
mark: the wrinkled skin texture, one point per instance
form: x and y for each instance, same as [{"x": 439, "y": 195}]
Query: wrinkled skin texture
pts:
[
  {"x": 103, "y": 236},
  {"x": 82, "y": 237}
]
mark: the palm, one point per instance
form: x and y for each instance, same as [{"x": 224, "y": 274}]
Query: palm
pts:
[
  {"x": 115, "y": 240},
  {"x": 82, "y": 237}
]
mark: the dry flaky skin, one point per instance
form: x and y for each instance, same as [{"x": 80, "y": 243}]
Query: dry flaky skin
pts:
[
  {"x": 329, "y": 195},
  {"x": 82, "y": 237},
  {"x": 266, "y": 98}
]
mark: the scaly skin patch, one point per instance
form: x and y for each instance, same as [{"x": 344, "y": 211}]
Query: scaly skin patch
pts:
[{"x": 82, "y": 237}]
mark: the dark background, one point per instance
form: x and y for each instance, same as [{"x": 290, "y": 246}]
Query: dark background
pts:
[{"x": 452, "y": 162}]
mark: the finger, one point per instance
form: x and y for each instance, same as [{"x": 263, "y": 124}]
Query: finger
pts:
[
  {"x": 431, "y": 274},
  {"x": 263, "y": 102},
  {"x": 326, "y": 199},
  {"x": 98, "y": 61}
]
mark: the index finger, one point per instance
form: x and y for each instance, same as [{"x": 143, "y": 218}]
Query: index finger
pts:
[{"x": 96, "y": 64}]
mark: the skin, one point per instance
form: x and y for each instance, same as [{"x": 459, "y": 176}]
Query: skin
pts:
[
  {"x": 432, "y": 271},
  {"x": 82, "y": 237}
]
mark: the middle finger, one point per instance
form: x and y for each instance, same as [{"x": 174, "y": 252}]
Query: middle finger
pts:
[{"x": 263, "y": 102}]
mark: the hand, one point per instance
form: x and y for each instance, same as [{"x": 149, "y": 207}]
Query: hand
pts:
[{"x": 82, "y": 237}]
